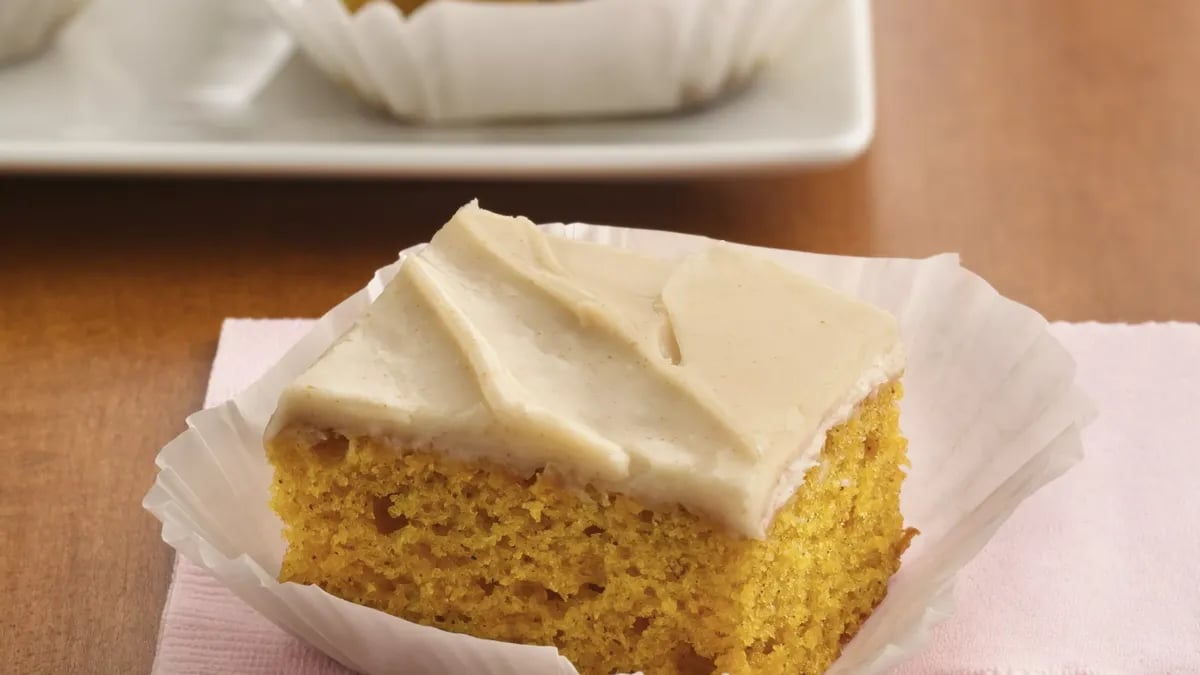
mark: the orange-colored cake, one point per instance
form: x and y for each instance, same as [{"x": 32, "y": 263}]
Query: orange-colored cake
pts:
[{"x": 674, "y": 466}]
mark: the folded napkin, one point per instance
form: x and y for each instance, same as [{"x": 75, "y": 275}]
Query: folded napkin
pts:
[{"x": 1097, "y": 573}]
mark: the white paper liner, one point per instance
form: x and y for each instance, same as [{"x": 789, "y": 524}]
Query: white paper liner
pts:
[
  {"x": 991, "y": 412},
  {"x": 27, "y": 26},
  {"x": 456, "y": 60}
]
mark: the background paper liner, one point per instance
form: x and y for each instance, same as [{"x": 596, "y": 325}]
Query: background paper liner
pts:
[
  {"x": 991, "y": 412},
  {"x": 27, "y": 26},
  {"x": 454, "y": 60}
]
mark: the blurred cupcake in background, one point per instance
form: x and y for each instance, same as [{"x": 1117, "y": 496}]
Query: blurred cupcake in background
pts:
[
  {"x": 481, "y": 60},
  {"x": 28, "y": 26}
]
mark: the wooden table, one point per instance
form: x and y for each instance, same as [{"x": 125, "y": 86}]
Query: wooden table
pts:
[{"x": 1055, "y": 144}]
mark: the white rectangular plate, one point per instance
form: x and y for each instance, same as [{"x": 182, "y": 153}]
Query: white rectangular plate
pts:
[{"x": 124, "y": 90}]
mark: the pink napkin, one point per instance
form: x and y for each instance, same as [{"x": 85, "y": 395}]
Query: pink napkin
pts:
[{"x": 1097, "y": 573}]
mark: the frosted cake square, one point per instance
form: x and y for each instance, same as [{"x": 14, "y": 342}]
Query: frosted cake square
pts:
[{"x": 672, "y": 466}]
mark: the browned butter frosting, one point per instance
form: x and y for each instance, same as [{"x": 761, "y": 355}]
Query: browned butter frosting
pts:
[{"x": 709, "y": 380}]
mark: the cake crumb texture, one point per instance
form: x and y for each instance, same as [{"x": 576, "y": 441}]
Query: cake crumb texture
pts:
[{"x": 616, "y": 585}]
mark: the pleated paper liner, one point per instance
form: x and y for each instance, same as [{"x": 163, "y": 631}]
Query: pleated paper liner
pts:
[
  {"x": 991, "y": 412},
  {"x": 458, "y": 60}
]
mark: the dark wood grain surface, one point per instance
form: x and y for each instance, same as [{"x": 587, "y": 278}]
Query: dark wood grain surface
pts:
[{"x": 1056, "y": 145}]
